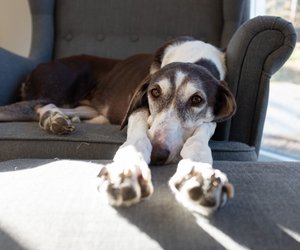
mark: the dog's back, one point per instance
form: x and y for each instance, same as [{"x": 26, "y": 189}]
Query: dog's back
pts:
[
  {"x": 105, "y": 84},
  {"x": 66, "y": 81}
]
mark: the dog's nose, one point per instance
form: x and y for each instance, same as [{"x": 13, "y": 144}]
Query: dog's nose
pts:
[{"x": 159, "y": 155}]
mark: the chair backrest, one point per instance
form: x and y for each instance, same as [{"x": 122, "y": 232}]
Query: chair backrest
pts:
[{"x": 120, "y": 28}]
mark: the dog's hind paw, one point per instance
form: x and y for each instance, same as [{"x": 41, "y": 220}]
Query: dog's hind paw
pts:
[
  {"x": 199, "y": 187},
  {"x": 124, "y": 186},
  {"x": 56, "y": 123}
]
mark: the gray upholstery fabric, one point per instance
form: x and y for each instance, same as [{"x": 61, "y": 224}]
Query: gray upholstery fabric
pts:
[
  {"x": 119, "y": 29},
  {"x": 212, "y": 21},
  {"x": 27, "y": 140},
  {"x": 235, "y": 13},
  {"x": 101, "y": 33},
  {"x": 55, "y": 205}
]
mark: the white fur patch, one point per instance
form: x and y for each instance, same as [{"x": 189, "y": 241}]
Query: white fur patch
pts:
[
  {"x": 164, "y": 84},
  {"x": 196, "y": 147},
  {"x": 184, "y": 168},
  {"x": 132, "y": 160},
  {"x": 179, "y": 78},
  {"x": 48, "y": 107},
  {"x": 167, "y": 131},
  {"x": 115, "y": 170},
  {"x": 192, "y": 51}
]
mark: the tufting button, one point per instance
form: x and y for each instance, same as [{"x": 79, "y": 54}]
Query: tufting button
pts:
[
  {"x": 68, "y": 37},
  {"x": 100, "y": 37},
  {"x": 134, "y": 38}
]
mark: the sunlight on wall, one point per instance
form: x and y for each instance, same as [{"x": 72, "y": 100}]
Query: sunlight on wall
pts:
[{"x": 15, "y": 26}]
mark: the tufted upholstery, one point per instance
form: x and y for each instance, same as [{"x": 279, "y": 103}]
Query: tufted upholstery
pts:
[{"x": 122, "y": 28}]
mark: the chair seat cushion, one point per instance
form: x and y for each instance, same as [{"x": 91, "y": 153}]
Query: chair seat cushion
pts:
[
  {"x": 27, "y": 140},
  {"x": 54, "y": 204}
]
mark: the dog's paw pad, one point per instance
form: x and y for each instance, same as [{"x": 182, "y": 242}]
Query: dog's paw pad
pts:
[
  {"x": 200, "y": 188},
  {"x": 56, "y": 123},
  {"x": 124, "y": 186}
]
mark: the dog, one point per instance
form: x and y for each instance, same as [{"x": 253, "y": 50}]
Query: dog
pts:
[{"x": 169, "y": 101}]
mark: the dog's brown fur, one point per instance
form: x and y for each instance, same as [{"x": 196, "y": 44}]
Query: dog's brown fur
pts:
[{"x": 88, "y": 80}]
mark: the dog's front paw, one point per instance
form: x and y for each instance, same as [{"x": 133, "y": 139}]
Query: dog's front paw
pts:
[
  {"x": 56, "y": 123},
  {"x": 125, "y": 185},
  {"x": 199, "y": 187}
]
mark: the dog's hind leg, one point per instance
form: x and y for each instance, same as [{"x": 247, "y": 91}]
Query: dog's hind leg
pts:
[
  {"x": 20, "y": 111},
  {"x": 53, "y": 120},
  {"x": 82, "y": 112},
  {"x": 58, "y": 120}
]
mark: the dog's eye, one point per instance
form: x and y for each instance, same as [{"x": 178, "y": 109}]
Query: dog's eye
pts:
[
  {"x": 196, "y": 100},
  {"x": 156, "y": 92}
]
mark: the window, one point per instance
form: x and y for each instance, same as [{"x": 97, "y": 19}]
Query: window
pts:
[{"x": 281, "y": 137}]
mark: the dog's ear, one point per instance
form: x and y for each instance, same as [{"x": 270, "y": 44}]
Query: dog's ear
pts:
[
  {"x": 138, "y": 100},
  {"x": 225, "y": 105},
  {"x": 159, "y": 54}
]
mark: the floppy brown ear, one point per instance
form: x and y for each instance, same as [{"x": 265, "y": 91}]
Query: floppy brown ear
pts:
[
  {"x": 138, "y": 100},
  {"x": 225, "y": 105}
]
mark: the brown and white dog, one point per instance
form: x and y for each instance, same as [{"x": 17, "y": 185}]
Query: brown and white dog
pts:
[{"x": 170, "y": 101}]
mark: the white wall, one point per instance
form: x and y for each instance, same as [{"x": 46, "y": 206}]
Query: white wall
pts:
[{"x": 15, "y": 26}]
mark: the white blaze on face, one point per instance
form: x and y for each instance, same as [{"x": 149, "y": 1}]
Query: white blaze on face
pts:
[
  {"x": 166, "y": 132},
  {"x": 166, "y": 129}
]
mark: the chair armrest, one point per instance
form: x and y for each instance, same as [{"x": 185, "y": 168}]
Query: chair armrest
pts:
[
  {"x": 255, "y": 52},
  {"x": 13, "y": 71}
]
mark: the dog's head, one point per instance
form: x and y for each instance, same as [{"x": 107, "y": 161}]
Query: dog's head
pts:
[{"x": 180, "y": 97}]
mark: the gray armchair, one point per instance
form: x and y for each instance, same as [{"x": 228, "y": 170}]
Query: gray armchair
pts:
[
  {"x": 255, "y": 50},
  {"x": 53, "y": 204}
]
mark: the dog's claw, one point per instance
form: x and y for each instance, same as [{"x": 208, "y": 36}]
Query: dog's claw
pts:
[
  {"x": 56, "y": 123},
  {"x": 199, "y": 187},
  {"x": 123, "y": 186}
]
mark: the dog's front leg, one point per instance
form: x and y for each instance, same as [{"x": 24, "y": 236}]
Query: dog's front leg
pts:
[
  {"x": 196, "y": 184},
  {"x": 127, "y": 179}
]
